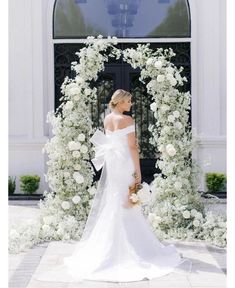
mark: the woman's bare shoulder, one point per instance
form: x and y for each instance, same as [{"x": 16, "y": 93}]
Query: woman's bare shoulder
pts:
[{"x": 126, "y": 121}]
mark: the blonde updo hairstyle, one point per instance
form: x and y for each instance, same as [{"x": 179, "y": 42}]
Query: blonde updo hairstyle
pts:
[{"x": 117, "y": 97}]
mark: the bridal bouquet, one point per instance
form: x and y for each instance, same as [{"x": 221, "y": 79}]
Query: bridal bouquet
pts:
[{"x": 139, "y": 194}]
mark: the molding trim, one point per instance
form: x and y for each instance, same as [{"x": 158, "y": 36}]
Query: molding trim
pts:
[
  {"x": 211, "y": 142},
  {"x": 27, "y": 145}
]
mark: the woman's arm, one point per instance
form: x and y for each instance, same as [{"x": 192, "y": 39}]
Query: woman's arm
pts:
[
  {"x": 132, "y": 142},
  {"x": 135, "y": 155}
]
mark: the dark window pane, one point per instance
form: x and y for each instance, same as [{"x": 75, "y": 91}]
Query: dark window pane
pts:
[{"x": 121, "y": 18}]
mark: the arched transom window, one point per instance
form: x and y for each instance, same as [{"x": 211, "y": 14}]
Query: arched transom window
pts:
[{"x": 121, "y": 18}]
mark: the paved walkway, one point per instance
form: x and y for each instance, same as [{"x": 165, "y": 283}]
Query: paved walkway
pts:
[{"x": 208, "y": 270}]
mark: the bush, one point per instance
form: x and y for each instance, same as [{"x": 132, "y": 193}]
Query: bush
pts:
[
  {"x": 215, "y": 182},
  {"x": 11, "y": 185},
  {"x": 29, "y": 183}
]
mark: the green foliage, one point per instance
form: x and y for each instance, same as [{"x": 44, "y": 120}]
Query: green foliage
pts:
[
  {"x": 177, "y": 19},
  {"x": 29, "y": 183},
  {"x": 215, "y": 181},
  {"x": 11, "y": 185}
]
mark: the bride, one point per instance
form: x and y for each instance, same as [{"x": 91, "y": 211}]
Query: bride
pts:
[{"x": 118, "y": 244}]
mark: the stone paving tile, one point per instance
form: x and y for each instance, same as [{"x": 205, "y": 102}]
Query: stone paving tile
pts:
[{"x": 24, "y": 271}]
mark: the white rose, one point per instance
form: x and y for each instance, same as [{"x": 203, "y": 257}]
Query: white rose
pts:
[
  {"x": 74, "y": 145},
  {"x": 68, "y": 105},
  {"x": 199, "y": 215},
  {"x": 77, "y": 167},
  {"x": 78, "y": 177},
  {"x": 81, "y": 137},
  {"x": 76, "y": 98},
  {"x": 169, "y": 76},
  {"x": 66, "y": 174},
  {"x": 74, "y": 91},
  {"x": 178, "y": 125},
  {"x": 186, "y": 214},
  {"x": 193, "y": 212},
  {"x": 79, "y": 79},
  {"x": 166, "y": 98},
  {"x": 76, "y": 154},
  {"x": 164, "y": 108},
  {"x": 171, "y": 79},
  {"x": 153, "y": 106},
  {"x": 173, "y": 82},
  {"x": 196, "y": 223},
  {"x": 158, "y": 64},
  {"x": 160, "y": 78},
  {"x": 84, "y": 149},
  {"x": 176, "y": 114},
  {"x": 178, "y": 185},
  {"x": 150, "y": 61},
  {"x": 170, "y": 149},
  {"x": 134, "y": 197},
  {"x": 87, "y": 91},
  {"x": 92, "y": 190},
  {"x": 76, "y": 199},
  {"x": 65, "y": 205},
  {"x": 171, "y": 118}
]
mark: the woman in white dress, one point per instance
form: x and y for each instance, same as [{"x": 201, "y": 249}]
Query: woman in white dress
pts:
[{"x": 118, "y": 244}]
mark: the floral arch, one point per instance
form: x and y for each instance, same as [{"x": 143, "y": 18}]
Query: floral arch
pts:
[{"x": 176, "y": 210}]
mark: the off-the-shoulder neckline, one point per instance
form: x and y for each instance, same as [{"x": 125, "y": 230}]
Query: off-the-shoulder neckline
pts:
[{"x": 119, "y": 128}]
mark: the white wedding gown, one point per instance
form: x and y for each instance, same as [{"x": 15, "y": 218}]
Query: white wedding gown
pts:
[{"x": 118, "y": 244}]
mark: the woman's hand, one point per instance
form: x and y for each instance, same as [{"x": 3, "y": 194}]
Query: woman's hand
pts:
[{"x": 137, "y": 176}]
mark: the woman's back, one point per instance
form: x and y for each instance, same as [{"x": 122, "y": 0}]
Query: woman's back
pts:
[{"x": 115, "y": 121}]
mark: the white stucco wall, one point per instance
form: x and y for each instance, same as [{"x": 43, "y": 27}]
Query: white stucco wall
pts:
[{"x": 31, "y": 87}]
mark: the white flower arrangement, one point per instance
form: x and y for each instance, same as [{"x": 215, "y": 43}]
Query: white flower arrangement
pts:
[{"x": 177, "y": 210}]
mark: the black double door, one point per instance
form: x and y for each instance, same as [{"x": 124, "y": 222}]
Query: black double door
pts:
[{"x": 119, "y": 74}]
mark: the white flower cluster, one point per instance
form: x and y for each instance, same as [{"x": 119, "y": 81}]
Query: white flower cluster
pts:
[
  {"x": 178, "y": 210},
  {"x": 143, "y": 196},
  {"x": 70, "y": 174}
]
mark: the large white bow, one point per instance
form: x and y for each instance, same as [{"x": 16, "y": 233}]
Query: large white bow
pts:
[{"x": 104, "y": 147}]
